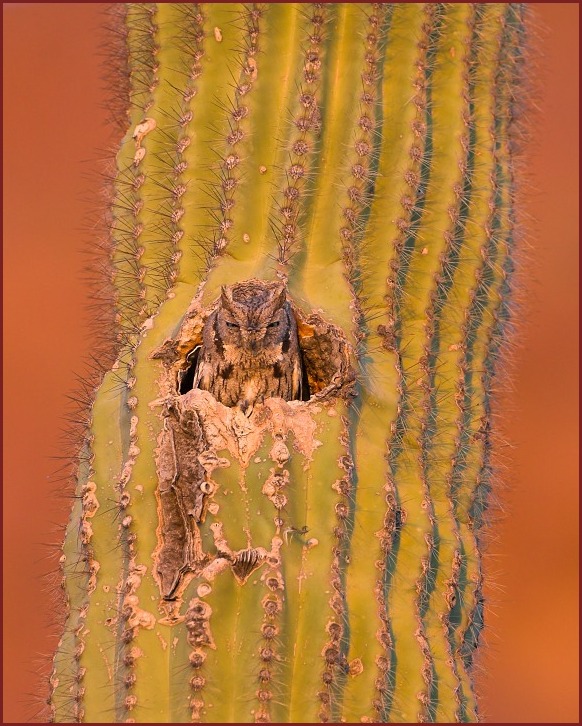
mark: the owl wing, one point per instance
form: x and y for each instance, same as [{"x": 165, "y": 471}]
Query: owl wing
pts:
[
  {"x": 204, "y": 374},
  {"x": 297, "y": 379}
]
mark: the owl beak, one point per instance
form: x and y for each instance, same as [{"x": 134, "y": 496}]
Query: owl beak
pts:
[{"x": 254, "y": 337}]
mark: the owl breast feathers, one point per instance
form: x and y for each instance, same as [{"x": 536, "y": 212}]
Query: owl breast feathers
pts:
[{"x": 250, "y": 347}]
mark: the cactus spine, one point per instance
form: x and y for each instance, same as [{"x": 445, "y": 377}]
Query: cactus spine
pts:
[{"x": 363, "y": 154}]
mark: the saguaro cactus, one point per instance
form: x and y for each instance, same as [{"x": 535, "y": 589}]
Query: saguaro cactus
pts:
[{"x": 316, "y": 560}]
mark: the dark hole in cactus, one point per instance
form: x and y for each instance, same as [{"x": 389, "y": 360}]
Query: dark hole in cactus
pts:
[
  {"x": 186, "y": 381},
  {"x": 305, "y": 390},
  {"x": 324, "y": 355}
]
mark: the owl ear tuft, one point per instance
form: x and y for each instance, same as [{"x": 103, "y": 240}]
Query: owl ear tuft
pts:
[
  {"x": 226, "y": 297},
  {"x": 280, "y": 296}
]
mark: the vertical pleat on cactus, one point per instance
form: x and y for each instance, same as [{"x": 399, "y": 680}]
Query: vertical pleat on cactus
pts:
[{"x": 362, "y": 154}]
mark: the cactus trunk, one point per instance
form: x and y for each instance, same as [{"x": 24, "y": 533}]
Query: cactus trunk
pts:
[{"x": 320, "y": 559}]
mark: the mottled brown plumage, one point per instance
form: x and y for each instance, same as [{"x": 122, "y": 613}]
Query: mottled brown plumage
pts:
[{"x": 250, "y": 349}]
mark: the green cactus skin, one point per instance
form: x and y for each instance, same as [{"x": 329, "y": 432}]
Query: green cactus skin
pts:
[{"x": 363, "y": 154}]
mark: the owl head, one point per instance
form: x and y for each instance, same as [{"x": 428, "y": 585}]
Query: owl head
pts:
[{"x": 253, "y": 314}]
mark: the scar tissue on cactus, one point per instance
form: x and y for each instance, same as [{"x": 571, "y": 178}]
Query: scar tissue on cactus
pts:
[{"x": 314, "y": 556}]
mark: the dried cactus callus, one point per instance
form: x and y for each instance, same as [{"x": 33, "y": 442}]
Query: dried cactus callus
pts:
[{"x": 316, "y": 559}]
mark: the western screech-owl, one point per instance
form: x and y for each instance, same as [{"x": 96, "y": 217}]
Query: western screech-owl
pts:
[{"x": 250, "y": 347}]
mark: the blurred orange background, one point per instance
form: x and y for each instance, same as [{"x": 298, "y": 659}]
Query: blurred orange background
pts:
[{"x": 55, "y": 133}]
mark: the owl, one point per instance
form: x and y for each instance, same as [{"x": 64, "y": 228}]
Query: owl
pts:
[{"x": 250, "y": 347}]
